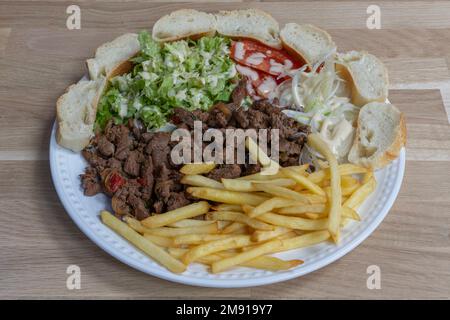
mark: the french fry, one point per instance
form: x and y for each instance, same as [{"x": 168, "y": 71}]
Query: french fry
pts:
[
  {"x": 227, "y": 207},
  {"x": 248, "y": 185},
  {"x": 134, "y": 224},
  {"x": 270, "y": 205},
  {"x": 348, "y": 181},
  {"x": 350, "y": 213},
  {"x": 189, "y": 211},
  {"x": 313, "y": 198},
  {"x": 293, "y": 222},
  {"x": 262, "y": 262},
  {"x": 271, "y": 263},
  {"x": 243, "y": 257},
  {"x": 238, "y": 185},
  {"x": 233, "y": 227},
  {"x": 259, "y": 236},
  {"x": 304, "y": 240},
  {"x": 177, "y": 252},
  {"x": 347, "y": 191},
  {"x": 225, "y": 196},
  {"x": 314, "y": 208},
  {"x": 190, "y": 223},
  {"x": 198, "y": 238},
  {"x": 173, "y": 232},
  {"x": 367, "y": 176},
  {"x": 288, "y": 235},
  {"x": 197, "y": 180},
  {"x": 323, "y": 164},
  {"x": 335, "y": 205},
  {"x": 304, "y": 181},
  {"x": 270, "y": 167},
  {"x": 344, "y": 169},
  {"x": 355, "y": 200},
  {"x": 160, "y": 241},
  {"x": 241, "y": 230},
  {"x": 221, "y": 225},
  {"x": 315, "y": 215},
  {"x": 301, "y": 169},
  {"x": 281, "y": 192},
  {"x": 262, "y": 177},
  {"x": 238, "y": 217},
  {"x": 215, "y": 246},
  {"x": 281, "y": 182},
  {"x": 197, "y": 168},
  {"x": 148, "y": 247}
]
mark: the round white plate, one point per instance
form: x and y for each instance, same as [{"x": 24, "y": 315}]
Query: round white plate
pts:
[{"x": 66, "y": 166}]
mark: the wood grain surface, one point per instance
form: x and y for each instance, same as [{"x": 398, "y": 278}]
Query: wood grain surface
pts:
[{"x": 40, "y": 57}]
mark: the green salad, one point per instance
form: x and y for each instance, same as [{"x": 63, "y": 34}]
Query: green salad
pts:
[{"x": 187, "y": 74}]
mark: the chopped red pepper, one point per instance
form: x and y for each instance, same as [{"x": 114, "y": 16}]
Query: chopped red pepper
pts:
[{"x": 114, "y": 182}]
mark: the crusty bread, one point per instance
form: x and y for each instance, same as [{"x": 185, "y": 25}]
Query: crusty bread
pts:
[
  {"x": 307, "y": 42},
  {"x": 114, "y": 54},
  {"x": 380, "y": 135},
  {"x": 249, "y": 23},
  {"x": 366, "y": 76},
  {"x": 184, "y": 23},
  {"x": 76, "y": 111}
]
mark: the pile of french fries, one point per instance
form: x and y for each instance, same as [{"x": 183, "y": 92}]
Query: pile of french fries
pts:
[{"x": 252, "y": 216}]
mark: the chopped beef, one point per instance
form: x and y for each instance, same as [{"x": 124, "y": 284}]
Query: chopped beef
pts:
[
  {"x": 158, "y": 148},
  {"x": 177, "y": 200},
  {"x": 181, "y": 115},
  {"x": 241, "y": 118},
  {"x": 138, "y": 205},
  {"x": 251, "y": 169},
  {"x": 239, "y": 93},
  {"x": 219, "y": 115},
  {"x": 90, "y": 182},
  {"x": 123, "y": 143},
  {"x": 228, "y": 171},
  {"x": 105, "y": 147},
  {"x": 201, "y": 115},
  {"x": 132, "y": 163}
]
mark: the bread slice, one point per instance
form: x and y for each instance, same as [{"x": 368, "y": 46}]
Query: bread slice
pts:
[
  {"x": 184, "y": 23},
  {"x": 113, "y": 55},
  {"x": 76, "y": 110},
  {"x": 307, "y": 42},
  {"x": 366, "y": 76},
  {"x": 249, "y": 23},
  {"x": 380, "y": 135}
]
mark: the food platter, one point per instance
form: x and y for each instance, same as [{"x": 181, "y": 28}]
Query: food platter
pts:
[
  {"x": 306, "y": 155},
  {"x": 84, "y": 211}
]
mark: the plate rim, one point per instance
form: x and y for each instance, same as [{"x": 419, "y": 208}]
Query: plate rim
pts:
[{"x": 222, "y": 283}]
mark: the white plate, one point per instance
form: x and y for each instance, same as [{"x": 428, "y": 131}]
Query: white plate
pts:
[{"x": 66, "y": 166}]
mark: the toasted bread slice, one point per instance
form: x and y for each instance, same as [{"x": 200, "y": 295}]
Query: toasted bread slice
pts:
[
  {"x": 307, "y": 42},
  {"x": 111, "y": 58},
  {"x": 184, "y": 23},
  {"x": 249, "y": 23},
  {"x": 76, "y": 110},
  {"x": 380, "y": 135},
  {"x": 365, "y": 75}
]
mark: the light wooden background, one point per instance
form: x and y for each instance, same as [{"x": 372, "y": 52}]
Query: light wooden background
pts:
[{"x": 39, "y": 58}]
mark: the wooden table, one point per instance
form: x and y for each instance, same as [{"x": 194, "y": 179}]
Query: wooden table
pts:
[{"x": 40, "y": 57}]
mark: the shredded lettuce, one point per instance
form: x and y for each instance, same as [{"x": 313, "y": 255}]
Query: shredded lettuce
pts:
[{"x": 188, "y": 74}]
